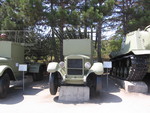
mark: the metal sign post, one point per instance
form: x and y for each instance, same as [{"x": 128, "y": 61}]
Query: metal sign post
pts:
[
  {"x": 107, "y": 65},
  {"x": 23, "y": 68}
]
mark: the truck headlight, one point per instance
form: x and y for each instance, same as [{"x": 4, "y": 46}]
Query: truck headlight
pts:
[
  {"x": 87, "y": 65},
  {"x": 61, "y": 64}
]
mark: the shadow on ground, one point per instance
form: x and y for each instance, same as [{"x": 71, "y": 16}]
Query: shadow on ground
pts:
[
  {"x": 147, "y": 81},
  {"x": 14, "y": 96},
  {"x": 35, "y": 87},
  {"x": 16, "y": 93}
]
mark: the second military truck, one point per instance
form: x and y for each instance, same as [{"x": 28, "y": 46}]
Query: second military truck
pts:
[
  {"x": 78, "y": 67},
  {"x": 11, "y": 55}
]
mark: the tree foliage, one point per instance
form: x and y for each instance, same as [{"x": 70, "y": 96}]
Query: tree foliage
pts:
[
  {"x": 74, "y": 19},
  {"x": 132, "y": 14},
  {"x": 20, "y": 14}
]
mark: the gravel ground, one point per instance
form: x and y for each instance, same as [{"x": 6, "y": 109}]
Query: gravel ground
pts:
[{"x": 37, "y": 99}]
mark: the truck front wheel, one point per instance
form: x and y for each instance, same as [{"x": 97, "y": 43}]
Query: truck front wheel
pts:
[
  {"x": 95, "y": 84},
  {"x": 53, "y": 83},
  {"x": 98, "y": 84},
  {"x": 4, "y": 85}
]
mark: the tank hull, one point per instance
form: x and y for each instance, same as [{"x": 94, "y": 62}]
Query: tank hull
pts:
[{"x": 130, "y": 67}]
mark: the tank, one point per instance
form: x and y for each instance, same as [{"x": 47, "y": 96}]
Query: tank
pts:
[
  {"x": 131, "y": 62},
  {"x": 78, "y": 67}
]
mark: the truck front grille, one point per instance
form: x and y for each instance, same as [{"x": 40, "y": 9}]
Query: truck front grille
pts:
[{"x": 74, "y": 67}]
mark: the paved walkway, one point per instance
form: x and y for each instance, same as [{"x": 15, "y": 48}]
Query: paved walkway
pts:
[{"x": 37, "y": 99}]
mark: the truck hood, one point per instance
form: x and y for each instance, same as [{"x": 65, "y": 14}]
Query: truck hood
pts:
[
  {"x": 3, "y": 59},
  {"x": 77, "y": 56}
]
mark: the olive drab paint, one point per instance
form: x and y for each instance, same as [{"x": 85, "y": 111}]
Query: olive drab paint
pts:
[
  {"x": 11, "y": 53},
  {"x": 77, "y": 66}
]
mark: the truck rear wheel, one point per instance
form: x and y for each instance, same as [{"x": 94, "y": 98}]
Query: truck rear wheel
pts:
[
  {"x": 38, "y": 76},
  {"x": 53, "y": 84},
  {"x": 4, "y": 85}
]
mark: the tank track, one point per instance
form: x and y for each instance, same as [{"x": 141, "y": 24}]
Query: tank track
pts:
[{"x": 130, "y": 68}]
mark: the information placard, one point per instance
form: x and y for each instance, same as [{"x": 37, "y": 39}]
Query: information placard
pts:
[
  {"x": 107, "y": 64},
  {"x": 22, "y": 67}
]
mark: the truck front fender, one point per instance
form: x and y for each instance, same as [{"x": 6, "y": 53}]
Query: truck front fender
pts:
[
  {"x": 3, "y": 68},
  {"x": 52, "y": 67},
  {"x": 97, "y": 68}
]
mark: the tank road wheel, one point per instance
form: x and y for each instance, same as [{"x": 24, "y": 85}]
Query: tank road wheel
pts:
[
  {"x": 117, "y": 72},
  {"x": 4, "y": 85},
  {"x": 121, "y": 72},
  {"x": 126, "y": 72},
  {"x": 53, "y": 83},
  {"x": 128, "y": 62},
  {"x": 121, "y": 69},
  {"x": 113, "y": 70},
  {"x": 117, "y": 69}
]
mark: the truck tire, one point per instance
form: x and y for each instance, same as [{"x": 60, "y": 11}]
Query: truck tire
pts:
[
  {"x": 38, "y": 76},
  {"x": 4, "y": 85},
  {"x": 34, "y": 77},
  {"x": 92, "y": 92},
  {"x": 98, "y": 84},
  {"x": 91, "y": 83},
  {"x": 95, "y": 85},
  {"x": 53, "y": 84}
]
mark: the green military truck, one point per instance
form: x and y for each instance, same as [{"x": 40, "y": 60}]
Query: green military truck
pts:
[
  {"x": 78, "y": 67},
  {"x": 11, "y": 55}
]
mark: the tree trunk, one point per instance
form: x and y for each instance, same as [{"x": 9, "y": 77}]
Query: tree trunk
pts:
[
  {"x": 124, "y": 18},
  {"x": 85, "y": 32},
  {"x": 85, "y": 28},
  {"x": 61, "y": 51},
  {"x": 99, "y": 37},
  {"x": 61, "y": 43},
  {"x": 53, "y": 38},
  {"x": 54, "y": 46},
  {"x": 91, "y": 32}
]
